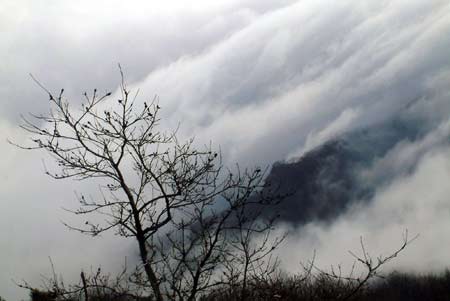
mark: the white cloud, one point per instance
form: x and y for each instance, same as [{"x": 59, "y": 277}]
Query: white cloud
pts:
[
  {"x": 337, "y": 127},
  {"x": 417, "y": 201},
  {"x": 262, "y": 78},
  {"x": 290, "y": 74}
]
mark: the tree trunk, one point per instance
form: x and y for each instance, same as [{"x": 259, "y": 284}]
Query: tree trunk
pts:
[{"x": 148, "y": 269}]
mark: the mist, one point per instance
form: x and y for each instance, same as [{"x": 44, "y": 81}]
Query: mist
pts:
[{"x": 265, "y": 81}]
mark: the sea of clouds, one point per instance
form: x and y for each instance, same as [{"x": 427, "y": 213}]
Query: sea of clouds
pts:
[{"x": 264, "y": 80}]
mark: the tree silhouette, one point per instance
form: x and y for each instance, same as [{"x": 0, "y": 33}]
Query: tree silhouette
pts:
[{"x": 190, "y": 216}]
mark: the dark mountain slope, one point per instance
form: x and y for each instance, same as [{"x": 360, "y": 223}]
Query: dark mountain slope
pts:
[{"x": 324, "y": 182}]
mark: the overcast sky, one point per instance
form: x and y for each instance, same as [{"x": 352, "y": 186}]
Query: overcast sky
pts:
[{"x": 266, "y": 80}]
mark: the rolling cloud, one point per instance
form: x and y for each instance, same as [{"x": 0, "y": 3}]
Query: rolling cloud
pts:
[
  {"x": 266, "y": 80},
  {"x": 417, "y": 201}
]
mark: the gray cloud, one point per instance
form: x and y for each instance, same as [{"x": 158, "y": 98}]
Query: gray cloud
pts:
[
  {"x": 77, "y": 46},
  {"x": 417, "y": 201},
  {"x": 265, "y": 80},
  {"x": 257, "y": 88}
]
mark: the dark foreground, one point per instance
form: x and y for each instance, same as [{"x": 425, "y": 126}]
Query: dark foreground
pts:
[{"x": 396, "y": 286}]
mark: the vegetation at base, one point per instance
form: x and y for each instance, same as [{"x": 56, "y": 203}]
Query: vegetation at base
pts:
[{"x": 396, "y": 286}]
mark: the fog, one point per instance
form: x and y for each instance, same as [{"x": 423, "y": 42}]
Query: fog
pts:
[{"x": 263, "y": 80}]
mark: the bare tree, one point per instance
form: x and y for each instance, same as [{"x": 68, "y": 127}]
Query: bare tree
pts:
[
  {"x": 179, "y": 203},
  {"x": 351, "y": 284},
  {"x": 95, "y": 285},
  {"x": 210, "y": 247}
]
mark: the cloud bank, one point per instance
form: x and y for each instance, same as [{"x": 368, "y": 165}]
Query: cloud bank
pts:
[
  {"x": 266, "y": 80},
  {"x": 299, "y": 68},
  {"x": 415, "y": 199}
]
